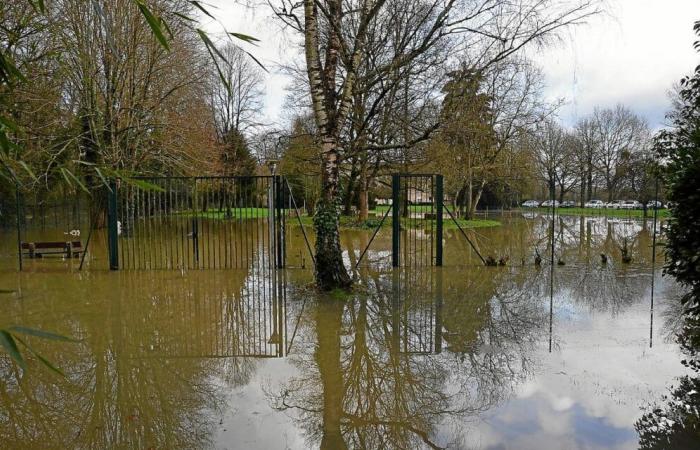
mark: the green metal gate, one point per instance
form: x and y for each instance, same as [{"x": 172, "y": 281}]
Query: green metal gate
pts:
[
  {"x": 417, "y": 220},
  {"x": 197, "y": 223}
]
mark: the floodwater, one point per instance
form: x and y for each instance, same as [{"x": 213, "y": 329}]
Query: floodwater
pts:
[{"x": 463, "y": 356}]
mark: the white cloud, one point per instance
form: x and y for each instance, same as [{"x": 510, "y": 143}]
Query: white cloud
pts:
[{"x": 632, "y": 55}]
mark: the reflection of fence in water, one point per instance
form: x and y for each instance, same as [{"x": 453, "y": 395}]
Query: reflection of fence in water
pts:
[
  {"x": 418, "y": 307},
  {"x": 200, "y": 222},
  {"x": 209, "y": 318}
]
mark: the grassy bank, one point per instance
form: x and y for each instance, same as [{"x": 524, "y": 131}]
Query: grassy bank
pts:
[{"x": 601, "y": 212}]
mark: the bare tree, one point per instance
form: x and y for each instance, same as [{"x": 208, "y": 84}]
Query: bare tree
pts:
[
  {"x": 618, "y": 133},
  {"x": 335, "y": 35},
  {"x": 237, "y": 93}
]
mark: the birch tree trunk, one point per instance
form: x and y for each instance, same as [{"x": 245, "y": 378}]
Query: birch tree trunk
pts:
[{"x": 330, "y": 270}]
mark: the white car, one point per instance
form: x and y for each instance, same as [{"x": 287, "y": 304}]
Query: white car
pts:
[
  {"x": 594, "y": 204},
  {"x": 630, "y": 204},
  {"x": 531, "y": 204},
  {"x": 548, "y": 204},
  {"x": 655, "y": 205},
  {"x": 614, "y": 204}
]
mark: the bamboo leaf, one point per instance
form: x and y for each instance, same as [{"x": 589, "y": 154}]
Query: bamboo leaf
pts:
[
  {"x": 210, "y": 45},
  {"x": 211, "y": 48},
  {"x": 156, "y": 24},
  {"x": 102, "y": 177},
  {"x": 28, "y": 170},
  {"x": 201, "y": 8},
  {"x": 145, "y": 185},
  {"x": 184, "y": 17},
  {"x": 8, "y": 343},
  {"x": 41, "y": 333},
  {"x": 44, "y": 361},
  {"x": 256, "y": 60},
  {"x": 68, "y": 175},
  {"x": 245, "y": 37}
]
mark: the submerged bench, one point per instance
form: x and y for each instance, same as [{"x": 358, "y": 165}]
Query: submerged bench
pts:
[{"x": 70, "y": 249}]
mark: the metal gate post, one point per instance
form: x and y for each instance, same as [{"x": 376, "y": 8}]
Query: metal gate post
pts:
[
  {"x": 439, "y": 199},
  {"x": 395, "y": 220},
  {"x": 279, "y": 222},
  {"x": 112, "y": 227}
]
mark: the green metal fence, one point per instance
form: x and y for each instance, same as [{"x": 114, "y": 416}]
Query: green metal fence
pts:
[{"x": 197, "y": 223}]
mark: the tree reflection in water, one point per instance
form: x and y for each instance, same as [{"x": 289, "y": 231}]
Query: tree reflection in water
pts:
[
  {"x": 402, "y": 362},
  {"x": 377, "y": 375}
]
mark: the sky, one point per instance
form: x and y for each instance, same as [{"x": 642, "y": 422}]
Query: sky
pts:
[{"x": 632, "y": 54}]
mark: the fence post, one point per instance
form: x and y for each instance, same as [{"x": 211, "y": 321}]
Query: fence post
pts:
[
  {"x": 112, "y": 227},
  {"x": 279, "y": 222},
  {"x": 395, "y": 220},
  {"x": 439, "y": 198}
]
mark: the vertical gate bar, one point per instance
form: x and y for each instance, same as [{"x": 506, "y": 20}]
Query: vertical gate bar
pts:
[
  {"x": 112, "y": 228},
  {"x": 18, "y": 210},
  {"x": 195, "y": 224},
  {"x": 395, "y": 220},
  {"x": 438, "y": 311},
  {"x": 439, "y": 199}
]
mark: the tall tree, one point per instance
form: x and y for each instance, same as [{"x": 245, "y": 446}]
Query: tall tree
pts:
[
  {"x": 237, "y": 92},
  {"x": 335, "y": 36},
  {"x": 618, "y": 133}
]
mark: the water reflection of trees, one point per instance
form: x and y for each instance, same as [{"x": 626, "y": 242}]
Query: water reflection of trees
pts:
[
  {"x": 388, "y": 366},
  {"x": 149, "y": 371}
]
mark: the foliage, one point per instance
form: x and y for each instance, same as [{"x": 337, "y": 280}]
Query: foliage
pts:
[
  {"x": 677, "y": 423},
  {"x": 680, "y": 148}
]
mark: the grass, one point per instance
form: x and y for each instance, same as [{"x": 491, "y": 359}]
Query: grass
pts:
[
  {"x": 351, "y": 222},
  {"x": 235, "y": 213},
  {"x": 625, "y": 213},
  {"x": 348, "y": 222},
  {"x": 413, "y": 208}
]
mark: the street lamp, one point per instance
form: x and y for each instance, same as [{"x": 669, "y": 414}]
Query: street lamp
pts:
[{"x": 272, "y": 165}]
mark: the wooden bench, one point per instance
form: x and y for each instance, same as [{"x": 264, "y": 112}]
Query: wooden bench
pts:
[{"x": 69, "y": 249}]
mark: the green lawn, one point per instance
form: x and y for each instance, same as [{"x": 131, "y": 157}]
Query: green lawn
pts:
[
  {"x": 603, "y": 212},
  {"x": 235, "y": 213},
  {"x": 348, "y": 221},
  {"x": 352, "y": 222},
  {"x": 381, "y": 209}
]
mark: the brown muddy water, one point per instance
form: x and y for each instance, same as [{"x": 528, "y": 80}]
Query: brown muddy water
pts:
[{"x": 462, "y": 356}]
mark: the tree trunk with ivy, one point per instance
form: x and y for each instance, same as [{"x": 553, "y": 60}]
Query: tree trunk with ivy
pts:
[{"x": 330, "y": 270}]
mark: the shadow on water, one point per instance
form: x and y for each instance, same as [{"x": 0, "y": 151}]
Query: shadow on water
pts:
[{"x": 412, "y": 358}]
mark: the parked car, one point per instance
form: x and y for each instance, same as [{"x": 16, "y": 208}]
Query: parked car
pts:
[
  {"x": 595, "y": 204},
  {"x": 615, "y": 204},
  {"x": 568, "y": 204},
  {"x": 630, "y": 204},
  {"x": 655, "y": 204},
  {"x": 548, "y": 204},
  {"x": 531, "y": 204}
]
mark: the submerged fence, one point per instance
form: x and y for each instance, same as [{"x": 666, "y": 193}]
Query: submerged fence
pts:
[{"x": 197, "y": 223}]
